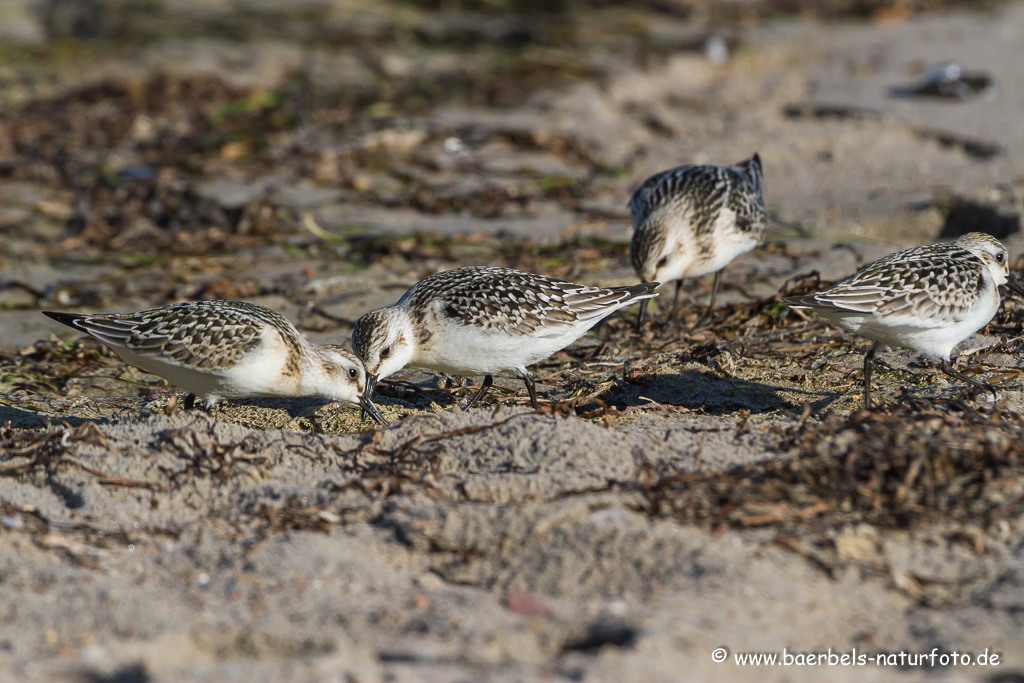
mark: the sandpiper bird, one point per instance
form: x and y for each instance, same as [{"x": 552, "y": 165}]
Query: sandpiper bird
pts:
[
  {"x": 482, "y": 321},
  {"x": 693, "y": 220},
  {"x": 227, "y": 350},
  {"x": 927, "y": 299}
]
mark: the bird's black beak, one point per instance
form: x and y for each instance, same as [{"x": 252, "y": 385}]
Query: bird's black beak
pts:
[
  {"x": 368, "y": 407},
  {"x": 366, "y": 400},
  {"x": 1015, "y": 284}
]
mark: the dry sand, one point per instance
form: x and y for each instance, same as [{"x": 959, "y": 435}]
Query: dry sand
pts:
[{"x": 485, "y": 545}]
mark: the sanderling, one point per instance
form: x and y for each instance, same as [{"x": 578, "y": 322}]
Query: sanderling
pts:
[
  {"x": 227, "y": 350},
  {"x": 482, "y": 321},
  {"x": 927, "y": 299},
  {"x": 693, "y": 220}
]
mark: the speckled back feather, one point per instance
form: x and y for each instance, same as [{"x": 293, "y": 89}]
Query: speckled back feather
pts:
[
  {"x": 514, "y": 301},
  {"x": 937, "y": 281},
  {"x": 705, "y": 187},
  {"x": 206, "y": 335}
]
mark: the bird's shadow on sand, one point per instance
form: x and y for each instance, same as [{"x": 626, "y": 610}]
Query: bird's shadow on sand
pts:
[
  {"x": 28, "y": 419},
  {"x": 710, "y": 393},
  {"x": 294, "y": 407},
  {"x": 40, "y": 413},
  {"x": 32, "y": 415},
  {"x": 278, "y": 413},
  {"x": 706, "y": 391},
  {"x": 714, "y": 394}
]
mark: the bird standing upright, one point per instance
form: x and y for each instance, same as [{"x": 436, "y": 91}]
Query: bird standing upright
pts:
[{"x": 927, "y": 299}]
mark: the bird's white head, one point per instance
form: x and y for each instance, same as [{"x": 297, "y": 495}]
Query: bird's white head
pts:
[
  {"x": 655, "y": 258},
  {"x": 993, "y": 254},
  {"x": 385, "y": 341},
  {"x": 342, "y": 378}
]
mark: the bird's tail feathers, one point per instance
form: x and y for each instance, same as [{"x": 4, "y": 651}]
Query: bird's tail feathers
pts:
[
  {"x": 69, "y": 319},
  {"x": 806, "y": 301},
  {"x": 644, "y": 290},
  {"x": 751, "y": 168}
]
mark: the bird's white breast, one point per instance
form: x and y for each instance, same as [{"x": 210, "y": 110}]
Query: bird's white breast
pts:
[
  {"x": 929, "y": 336},
  {"x": 697, "y": 255},
  {"x": 470, "y": 350}
]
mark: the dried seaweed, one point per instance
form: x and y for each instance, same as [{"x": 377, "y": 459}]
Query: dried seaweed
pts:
[
  {"x": 415, "y": 463},
  {"x": 52, "y": 367},
  {"x": 296, "y": 516},
  {"x": 29, "y": 450},
  {"x": 207, "y": 456},
  {"x": 46, "y": 450},
  {"x": 902, "y": 466}
]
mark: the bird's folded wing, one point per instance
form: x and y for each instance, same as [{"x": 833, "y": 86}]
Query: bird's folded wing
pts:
[{"x": 210, "y": 343}]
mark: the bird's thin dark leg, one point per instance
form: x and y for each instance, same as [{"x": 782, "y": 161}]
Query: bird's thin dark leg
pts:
[
  {"x": 488, "y": 381},
  {"x": 190, "y": 401},
  {"x": 675, "y": 300},
  {"x": 640, "y": 316},
  {"x": 948, "y": 368},
  {"x": 711, "y": 304},
  {"x": 531, "y": 388},
  {"x": 869, "y": 362}
]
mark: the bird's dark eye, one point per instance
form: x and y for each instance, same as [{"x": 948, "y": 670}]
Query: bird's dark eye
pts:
[
  {"x": 385, "y": 352},
  {"x": 663, "y": 261},
  {"x": 999, "y": 257},
  {"x": 353, "y": 373}
]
